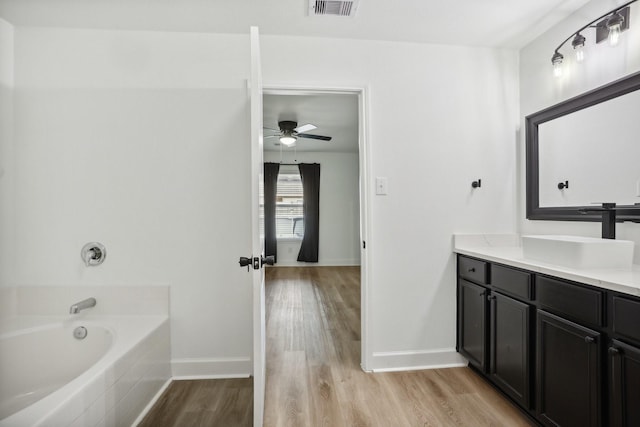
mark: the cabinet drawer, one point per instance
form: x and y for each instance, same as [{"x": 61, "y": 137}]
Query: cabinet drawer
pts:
[
  {"x": 578, "y": 303},
  {"x": 626, "y": 318},
  {"x": 512, "y": 281},
  {"x": 473, "y": 269}
]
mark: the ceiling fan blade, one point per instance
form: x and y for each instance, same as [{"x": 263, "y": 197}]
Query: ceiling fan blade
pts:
[
  {"x": 270, "y": 136},
  {"x": 275, "y": 130},
  {"x": 320, "y": 137},
  {"x": 305, "y": 128}
]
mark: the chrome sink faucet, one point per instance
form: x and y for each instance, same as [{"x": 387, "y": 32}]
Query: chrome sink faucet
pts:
[{"x": 82, "y": 305}]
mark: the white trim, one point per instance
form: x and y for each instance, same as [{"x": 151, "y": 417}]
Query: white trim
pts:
[
  {"x": 366, "y": 350},
  {"x": 362, "y": 91},
  {"x": 419, "y": 359},
  {"x": 152, "y": 402},
  {"x": 229, "y": 367}
]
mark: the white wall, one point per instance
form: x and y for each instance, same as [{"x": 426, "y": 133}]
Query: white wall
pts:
[
  {"x": 339, "y": 209},
  {"x": 130, "y": 138},
  {"x": 6, "y": 152},
  {"x": 140, "y": 140},
  {"x": 540, "y": 89},
  {"x": 439, "y": 118}
]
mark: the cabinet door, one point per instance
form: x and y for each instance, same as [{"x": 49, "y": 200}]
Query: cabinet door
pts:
[
  {"x": 568, "y": 361},
  {"x": 624, "y": 385},
  {"x": 509, "y": 347},
  {"x": 472, "y": 323}
]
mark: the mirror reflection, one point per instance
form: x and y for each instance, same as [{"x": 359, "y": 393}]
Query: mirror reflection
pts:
[{"x": 592, "y": 155}]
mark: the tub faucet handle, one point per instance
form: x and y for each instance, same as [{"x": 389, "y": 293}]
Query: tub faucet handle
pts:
[{"x": 93, "y": 253}]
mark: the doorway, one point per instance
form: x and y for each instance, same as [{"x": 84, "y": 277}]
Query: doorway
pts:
[{"x": 333, "y": 294}]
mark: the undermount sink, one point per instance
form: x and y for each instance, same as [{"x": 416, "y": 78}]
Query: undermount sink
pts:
[{"x": 578, "y": 252}]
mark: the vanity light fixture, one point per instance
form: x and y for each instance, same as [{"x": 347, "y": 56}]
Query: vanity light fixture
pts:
[{"x": 608, "y": 27}]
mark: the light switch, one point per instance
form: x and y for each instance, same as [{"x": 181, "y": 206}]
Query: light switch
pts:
[{"x": 381, "y": 185}]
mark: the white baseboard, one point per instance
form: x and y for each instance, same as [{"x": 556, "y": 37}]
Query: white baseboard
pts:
[
  {"x": 152, "y": 402},
  {"x": 231, "y": 367},
  {"x": 320, "y": 263},
  {"x": 414, "y": 360}
]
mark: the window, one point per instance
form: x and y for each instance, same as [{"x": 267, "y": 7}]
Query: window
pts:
[{"x": 289, "y": 214}]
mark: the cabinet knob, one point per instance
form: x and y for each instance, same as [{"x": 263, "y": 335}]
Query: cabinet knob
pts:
[
  {"x": 490, "y": 297},
  {"x": 614, "y": 351},
  {"x": 589, "y": 340},
  {"x": 471, "y": 270}
]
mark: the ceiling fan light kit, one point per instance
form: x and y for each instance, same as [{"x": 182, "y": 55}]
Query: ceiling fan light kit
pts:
[
  {"x": 288, "y": 140},
  {"x": 290, "y": 132}
]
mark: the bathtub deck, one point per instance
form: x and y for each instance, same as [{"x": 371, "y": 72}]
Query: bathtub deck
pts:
[{"x": 314, "y": 376}]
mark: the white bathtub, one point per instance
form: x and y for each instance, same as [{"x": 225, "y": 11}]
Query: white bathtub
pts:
[{"x": 50, "y": 378}]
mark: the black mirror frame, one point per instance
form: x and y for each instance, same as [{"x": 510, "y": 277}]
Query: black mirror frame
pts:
[{"x": 570, "y": 213}]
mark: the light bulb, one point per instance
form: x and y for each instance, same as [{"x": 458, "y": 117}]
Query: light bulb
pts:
[
  {"x": 556, "y": 60},
  {"x": 614, "y": 25},
  {"x": 578, "y": 46},
  {"x": 614, "y": 35},
  {"x": 288, "y": 140}
]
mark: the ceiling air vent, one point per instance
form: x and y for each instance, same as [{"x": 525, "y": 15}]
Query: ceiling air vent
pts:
[{"x": 332, "y": 8}]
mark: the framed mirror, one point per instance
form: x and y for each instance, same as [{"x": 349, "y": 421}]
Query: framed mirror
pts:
[{"x": 585, "y": 151}]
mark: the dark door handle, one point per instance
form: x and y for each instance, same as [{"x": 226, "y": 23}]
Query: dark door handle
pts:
[
  {"x": 269, "y": 260},
  {"x": 245, "y": 262}
]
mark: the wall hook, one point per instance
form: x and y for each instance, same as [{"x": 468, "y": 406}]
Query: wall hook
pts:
[
  {"x": 476, "y": 184},
  {"x": 563, "y": 185}
]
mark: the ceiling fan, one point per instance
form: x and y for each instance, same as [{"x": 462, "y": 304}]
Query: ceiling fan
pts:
[{"x": 289, "y": 132}]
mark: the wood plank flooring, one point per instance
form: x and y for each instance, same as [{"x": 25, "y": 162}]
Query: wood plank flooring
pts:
[{"x": 314, "y": 377}]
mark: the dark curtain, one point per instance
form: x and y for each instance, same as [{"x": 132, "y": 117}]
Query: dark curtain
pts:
[
  {"x": 270, "y": 187},
  {"x": 310, "y": 175}
]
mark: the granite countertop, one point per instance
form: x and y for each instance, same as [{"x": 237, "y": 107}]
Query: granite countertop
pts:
[{"x": 507, "y": 249}]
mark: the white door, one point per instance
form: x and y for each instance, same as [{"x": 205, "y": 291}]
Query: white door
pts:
[{"x": 259, "y": 358}]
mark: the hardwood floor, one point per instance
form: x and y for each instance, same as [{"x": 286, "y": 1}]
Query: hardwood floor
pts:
[
  {"x": 313, "y": 365},
  {"x": 192, "y": 403},
  {"x": 314, "y": 377}
]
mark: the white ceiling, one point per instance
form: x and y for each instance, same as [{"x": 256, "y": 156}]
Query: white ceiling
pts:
[
  {"x": 335, "y": 115},
  {"x": 495, "y": 23}
]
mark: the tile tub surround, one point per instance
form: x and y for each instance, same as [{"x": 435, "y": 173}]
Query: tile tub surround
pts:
[
  {"x": 507, "y": 249},
  {"x": 120, "y": 385}
]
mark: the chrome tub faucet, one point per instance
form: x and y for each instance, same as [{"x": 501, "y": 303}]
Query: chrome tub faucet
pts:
[{"x": 82, "y": 305}]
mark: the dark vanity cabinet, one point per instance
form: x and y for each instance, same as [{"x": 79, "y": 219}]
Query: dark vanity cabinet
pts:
[
  {"x": 568, "y": 354},
  {"x": 624, "y": 361},
  {"x": 509, "y": 347},
  {"x": 568, "y": 373},
  {"x": 494, "y": 328},
  {"x": 473, "y": 317}
]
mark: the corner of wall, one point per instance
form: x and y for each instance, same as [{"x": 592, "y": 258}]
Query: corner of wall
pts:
[{"x": 7, "y": 189}]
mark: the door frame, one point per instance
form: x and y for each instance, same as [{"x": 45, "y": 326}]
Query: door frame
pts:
[{"x": 364, "y": 156}]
